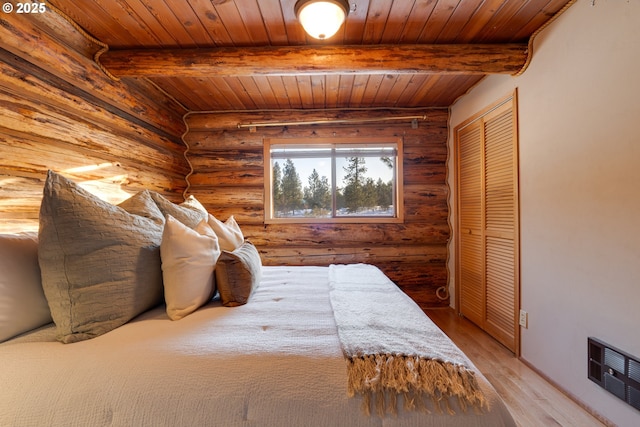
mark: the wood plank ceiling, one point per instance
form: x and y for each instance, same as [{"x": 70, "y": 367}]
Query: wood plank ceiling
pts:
[{"x": 224, "y": 55}]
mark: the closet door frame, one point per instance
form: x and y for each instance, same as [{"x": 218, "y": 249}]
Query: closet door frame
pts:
[{"x": 473, "y": 121}]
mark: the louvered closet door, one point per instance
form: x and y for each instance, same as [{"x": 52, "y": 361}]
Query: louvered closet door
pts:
[
  {"x": 471, "y": 241},
  {"x": 500, "y": 227},
  {"x": 488, "y": 258}
]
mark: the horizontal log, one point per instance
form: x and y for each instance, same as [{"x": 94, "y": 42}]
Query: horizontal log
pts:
[
  {"x": 232, "y": 159},
  {"x": 417, "y": 274},
  {"x": 374, "y": 254},
  {"x": 12, "y": 224},
  {"x": 338, "y": 255},
  {"x": 313, "y": 60},
  {"x": 432, "y": 134},
  {"x": 30, "y": 120},
  {"x": 416, "y": 146},
  {"x": 346, "y": 234},
  {"x": 214, "y": 197},
  {"x": 245, "y": 177},
  {"x": 230, "y": 120},
  {"x": 423, "y": 292},
  {"x": 19, "y": 80},
  {"x": 204, "y": 140},
  {"x": 431, "y": 210},
  {"x": 207, "y": 140},
  {"x": 419, "y": 280},
  {"x": 30, "y": 39},
  {"x": 428, "y": 153},
  {"x": 60, "y": 29},
  {"x": 247, "y": 215},
  {"x": 423, "y": 175}
]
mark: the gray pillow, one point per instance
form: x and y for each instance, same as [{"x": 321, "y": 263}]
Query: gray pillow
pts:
[
  {"x": 142, "y": 204},
  {"x": 100, "y": 264},
  {"x": 238, "y": 273}
]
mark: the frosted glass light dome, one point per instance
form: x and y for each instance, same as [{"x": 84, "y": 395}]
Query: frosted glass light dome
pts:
[{"x": 321, "y": 19}]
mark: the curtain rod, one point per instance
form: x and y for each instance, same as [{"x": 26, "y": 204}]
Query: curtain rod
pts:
[{"x": 252, "y": 126}]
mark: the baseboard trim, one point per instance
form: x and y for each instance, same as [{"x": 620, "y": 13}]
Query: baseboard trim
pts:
[{"x": 571, "y": 396}]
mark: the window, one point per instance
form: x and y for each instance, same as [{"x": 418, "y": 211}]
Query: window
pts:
[{"x": 333, "y": 180}]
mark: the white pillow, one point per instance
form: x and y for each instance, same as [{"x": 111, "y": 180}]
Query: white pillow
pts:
[
  {"x": 229, "y": 234},
  {"x": 23, "y": 306},
  {"x": 188, "y": 257}
]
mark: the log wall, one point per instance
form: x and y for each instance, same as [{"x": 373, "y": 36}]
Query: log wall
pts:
[
  {"x": 228, "y": 179},
  {"x": 59, "y": 111}
]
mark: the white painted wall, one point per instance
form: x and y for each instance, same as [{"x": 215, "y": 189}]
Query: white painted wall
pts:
[{"x": 579, "y": 117}]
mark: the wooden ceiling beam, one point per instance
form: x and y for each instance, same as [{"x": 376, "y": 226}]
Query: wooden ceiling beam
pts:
[{"x": 308, "y": 60}]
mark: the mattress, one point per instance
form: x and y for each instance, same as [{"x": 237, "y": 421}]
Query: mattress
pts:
[{"x": 276, "y": 361}]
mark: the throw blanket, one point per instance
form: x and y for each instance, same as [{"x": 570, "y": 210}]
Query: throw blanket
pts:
[{"x": 393, "y": 348}]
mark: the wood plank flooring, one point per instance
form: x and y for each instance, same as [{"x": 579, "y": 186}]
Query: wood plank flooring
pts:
[{"x": 532, "y": 400}]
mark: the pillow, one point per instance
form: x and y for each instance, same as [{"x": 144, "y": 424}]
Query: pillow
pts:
[
  {"x": 188, "y": 259},
  {"x": 193, "y": 203},
  {"x": 23, "y": 306},
  {"x": 190, "y": 213},
  {"x": 229, "y": 234},
  {"x": 238, "y": 274},
  {"x": 142, "y": 204},
  {"x": 100, "y": 264}
]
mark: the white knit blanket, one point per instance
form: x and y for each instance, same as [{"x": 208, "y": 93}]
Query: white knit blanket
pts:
[{"x": 392, "y": 348}]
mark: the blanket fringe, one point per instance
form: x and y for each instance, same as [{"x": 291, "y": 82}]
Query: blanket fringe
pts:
[{"x": 416, "y": 378}]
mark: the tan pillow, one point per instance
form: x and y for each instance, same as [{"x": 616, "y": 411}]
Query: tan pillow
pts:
[
  {"x": 188, "y": 260},
  {"x": 190, "y": 213},
  {"x": 193, "y": 203},
  {"x": 100, "y": 264},
  {"x": 142, "y": 204},
  {"x": 238, "y": 273},
  {"x": 229, "y": 234}
]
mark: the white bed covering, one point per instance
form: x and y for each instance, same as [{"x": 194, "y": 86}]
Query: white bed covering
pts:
[{"x": 275, "y": 361}]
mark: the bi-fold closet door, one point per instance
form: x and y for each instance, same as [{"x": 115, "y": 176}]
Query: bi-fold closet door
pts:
[{"x": 487, "y": 233}]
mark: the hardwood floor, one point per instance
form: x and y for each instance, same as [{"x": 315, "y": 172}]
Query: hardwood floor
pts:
[{"x": 533, "y": 401}]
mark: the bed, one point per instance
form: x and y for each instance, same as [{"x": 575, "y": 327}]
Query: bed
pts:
[{"x": 296, "y": 348}]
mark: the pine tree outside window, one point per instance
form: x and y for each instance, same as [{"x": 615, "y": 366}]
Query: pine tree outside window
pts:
[{"x": 333, "y": 180}]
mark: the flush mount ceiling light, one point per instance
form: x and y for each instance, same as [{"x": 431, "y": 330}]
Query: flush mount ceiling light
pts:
[{"x": 321, "y": 19}]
